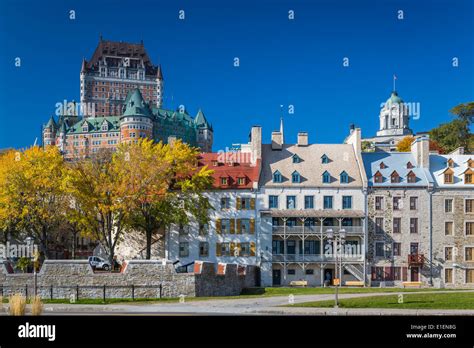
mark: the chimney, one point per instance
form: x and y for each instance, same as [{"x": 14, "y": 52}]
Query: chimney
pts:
[
  {"x": 256, "y": 143},
  {"x": 171, "y": 140},
  {"x": 420, "y": 149},
  {"x": 303, "y": 139},
  {"x": 355, "y": 138},
  {"x": 277, "y": 140}
]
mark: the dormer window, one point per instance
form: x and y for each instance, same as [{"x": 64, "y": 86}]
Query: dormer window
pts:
[
  {"x": 295, "y": 177},
  {"x": 241, "y": 181},
  {"x": 324, "y": 159},
  {"x": 451, "y": 163},
  {"x": 409, "y": 165},
  {"x": 470, "y": 163},
  {"x": 326, "y": 178},
  {"x": 344, "y": 178},
  {"x": 296, "y": 158},
  {"x": 277, "y": 177},
  {"x": 105, "y": 126},
  {"x": 224, "y": 181},
  {"x": 394, "y": 177},
  {"x": 378, "y": 177},
  {"x": 411, "y": 177},
  {"x": 448, "y": 176},
  {"x": 215, "y": 163},
  {"x": 468, "y": 176},
  {"x": 85, "y": 127},
  {"x": 382, "y": 165}
]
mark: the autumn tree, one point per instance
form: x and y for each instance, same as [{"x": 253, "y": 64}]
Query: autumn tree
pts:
[
  {"x": 164, "y": 186},
  {"x": 98, "y": 194},
  {"x": 404, "y": 145},
  {"x": 31, "y": 197}
]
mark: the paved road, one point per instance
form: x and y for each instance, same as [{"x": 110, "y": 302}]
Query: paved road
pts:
[{"x": 242, "y": 306}]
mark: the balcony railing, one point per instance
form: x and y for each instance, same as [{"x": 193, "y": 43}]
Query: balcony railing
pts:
[
  {"x": 416, "y": 259},
  {"x": 314, "y": 258},
  {"x": 316, "y": 229}
]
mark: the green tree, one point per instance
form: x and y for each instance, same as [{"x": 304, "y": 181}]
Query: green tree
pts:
[{"x": 450, "y": 135}]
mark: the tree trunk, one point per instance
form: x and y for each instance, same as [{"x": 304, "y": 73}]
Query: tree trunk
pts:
[{"x": 149, "y": 233}]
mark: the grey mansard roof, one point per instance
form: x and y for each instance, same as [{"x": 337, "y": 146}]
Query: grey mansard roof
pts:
[{"x": 341, "y": 158}]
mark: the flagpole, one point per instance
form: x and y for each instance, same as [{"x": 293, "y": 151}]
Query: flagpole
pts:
[{"x": 394, "y": 89}]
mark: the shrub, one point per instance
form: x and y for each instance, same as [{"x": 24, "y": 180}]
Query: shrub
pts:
[
  {"x": 17, "y": 304},
  {"x": 36, "y": 305}
]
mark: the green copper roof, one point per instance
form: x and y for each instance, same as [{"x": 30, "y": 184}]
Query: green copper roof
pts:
[
  {"x": 200, "y": 120},
  {"x": 51, "y": 123},
  {"x": 394, "y": 99},
  {"x": 136, "y": 105},
  {"x": 95, "y": 125}
]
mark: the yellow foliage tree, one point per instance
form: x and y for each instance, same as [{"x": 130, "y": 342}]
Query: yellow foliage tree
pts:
[{"x": 404, "y": 145}]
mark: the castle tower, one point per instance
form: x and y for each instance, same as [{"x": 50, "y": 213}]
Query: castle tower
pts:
[
  {"x": 49, "y": 132},
  {"x": 137, "y": 119},
  {"x": 394, "y": 117},
  {"x": 204, "y": 132},
  {"x": 159, "y": 87}
]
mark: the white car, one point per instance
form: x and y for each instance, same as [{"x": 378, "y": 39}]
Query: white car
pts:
[{"x": 99, "y": 263}]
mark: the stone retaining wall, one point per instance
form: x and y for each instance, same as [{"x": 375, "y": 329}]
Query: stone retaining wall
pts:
[{"x": 72, "y": 278}]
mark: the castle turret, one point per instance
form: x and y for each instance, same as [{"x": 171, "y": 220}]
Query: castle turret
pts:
[
  {"x": 49, "y": 132},
  {"x": 137, "y": 119},
  {"x": 204, "y": 131},
  {"x": 159, "y": 88},
  {"x": 394, "y": 117}
]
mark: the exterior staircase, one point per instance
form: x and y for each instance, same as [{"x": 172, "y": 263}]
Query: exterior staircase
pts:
[{"x": 356, "y": 270}]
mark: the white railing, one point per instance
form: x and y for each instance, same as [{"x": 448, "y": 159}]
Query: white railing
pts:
[
  {"x": 316, "y": 229},
  {"x": 314, "y": 258}
]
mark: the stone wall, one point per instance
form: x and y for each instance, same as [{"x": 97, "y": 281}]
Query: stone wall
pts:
[{"x": 75, "y": 278}]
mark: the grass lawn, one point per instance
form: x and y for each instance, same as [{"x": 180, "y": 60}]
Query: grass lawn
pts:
[{"x": 410, "y": 301}]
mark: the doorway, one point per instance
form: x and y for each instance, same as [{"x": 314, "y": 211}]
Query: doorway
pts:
[
  {"x": 276, "y": 277},
  {"x": 414, "y": 274}
]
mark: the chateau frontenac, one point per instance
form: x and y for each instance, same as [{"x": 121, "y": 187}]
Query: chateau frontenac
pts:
[{"x": 121, "y": 101}]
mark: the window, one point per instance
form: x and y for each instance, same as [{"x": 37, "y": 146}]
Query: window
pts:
[
  {"x": 309, "y": 202},
  {"x": 243, "y": 226},
  {"x": 411, "y": 177},
  {"x": 203, "y": 229},
  {"x": 273, "y": 202},
  {"x": 409, "y": 165},
  {"x": 469, "y": 228},
  {"x": 203, "y": 249},
  {"x": 291, "y": 247},
  {"x": 225, "y": 226},
  {"x": 378, "y": 178},
  {"x": 245, "y": 203},
  {"x": 244, "y": 249},
  {"x": 468, "y": 178},
  {"x": 241, "y": 181},
  {"x": 309, "y": 271},
  {"x": 379, "y": 249},
  {"x": 327, "y": 202},
  {"x": 344, "y": 178},
  {"x": 277, "y": 247},
  {"x": 346, "y": 202},
  {"x": 183, "y": 230},
  {"x": 448, "y": 253},
  {"x": 450, "y": 163},
  {"x": 290, "y": 202},
  {"x": 394, "y": 178},
  {"x": 413, "y": 225},
  {"x": 448, "y": 177},
  {"x": 225, "y": 202},
  {"x": 296, "y": 158},
  {"x": 382, "y": 165},
  {"x": 448, "y": 205},
  {"x": 183, "y": 249},
  {"x": 378, "y": 203},
  {"x": 396, "y": 203},
  {"x": 468, "y": 254},
  {"x": 397, "y": 222},
  {"x": 448, "y": 275},
  {"x": 223, "y": 249},
  {"x": 448, "y": 228},
  {"x": 469, "y": 275},
  {"x": 295, "y": 177},
  {"x": 291, "y": 272},
  {"x": 397, "y": 247},
  {"x": 469, "y": 205},
  {"x": 224, "y": 181},
  {"x": 324, "y": 159},
  {"x": 326, "y": 178},
  {"x": 277, "y": 177},
  {"x": 413, "y": 203},
  {"x": 379, "y": 225}
]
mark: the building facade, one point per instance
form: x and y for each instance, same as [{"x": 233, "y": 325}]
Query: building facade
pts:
[
  {"x": 307, "y": 192},
  {"x": 231, "y": 236}
]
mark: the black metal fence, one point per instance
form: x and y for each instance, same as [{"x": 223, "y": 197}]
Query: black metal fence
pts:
[{"x": 85, "y": 291}]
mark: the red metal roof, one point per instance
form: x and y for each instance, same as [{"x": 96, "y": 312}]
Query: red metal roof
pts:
[{"x": 232, "y": 172}]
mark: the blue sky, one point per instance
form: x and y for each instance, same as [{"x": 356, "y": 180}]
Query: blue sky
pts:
[{"x": 291, "y": 62}]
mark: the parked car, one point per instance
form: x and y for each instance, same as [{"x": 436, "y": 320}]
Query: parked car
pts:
[{"x": 99, "y": 263}]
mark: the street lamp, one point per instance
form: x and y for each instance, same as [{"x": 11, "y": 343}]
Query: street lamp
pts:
[{"x": 339, "y": 238}]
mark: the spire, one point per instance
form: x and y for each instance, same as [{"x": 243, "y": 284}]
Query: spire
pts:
[
  {"x": 159, "y": 73},
  {"x": 201, "y": 120},
  {"x": 83, "y": 67},
  {"x": 281, "y": 124},
  {"x": 136, "y": 105},
  {"x": 51, "y": 123}
]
